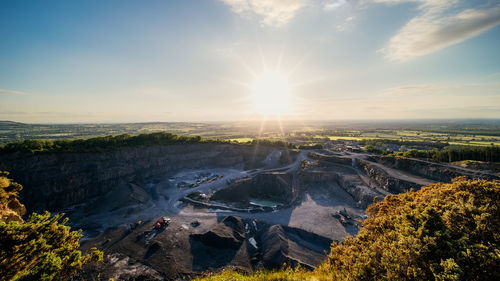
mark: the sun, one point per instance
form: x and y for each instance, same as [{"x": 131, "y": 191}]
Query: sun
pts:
[{"x": 271, "y": 93}]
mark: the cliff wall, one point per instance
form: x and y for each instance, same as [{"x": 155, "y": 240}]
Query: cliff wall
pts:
[{"x": 53, "y": 181}]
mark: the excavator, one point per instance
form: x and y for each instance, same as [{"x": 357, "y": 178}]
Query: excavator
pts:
[{"x": 162, "y": 223}]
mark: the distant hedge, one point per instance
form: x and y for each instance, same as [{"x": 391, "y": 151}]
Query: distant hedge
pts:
[
  {"x": 106, "y": 143},
  {"x": 310, "y": 146}
]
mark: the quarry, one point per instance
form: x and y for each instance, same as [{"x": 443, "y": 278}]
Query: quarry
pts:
[{"x": 230, "y": 206}]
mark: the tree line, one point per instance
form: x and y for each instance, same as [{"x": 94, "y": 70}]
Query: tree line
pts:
[
  {"x": 456, "y": 153},
  {"x": 107, "y": 143},
  {"x": 378, "y": 142},
  {"x": 441, "y": 152}
]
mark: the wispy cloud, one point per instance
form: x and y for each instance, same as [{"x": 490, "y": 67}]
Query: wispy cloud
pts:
[
  {"x": 483, "y": 88},
  {"x": 440, "y": 24},
  {"x": 333, "y": 4},
  {"x": 345, "y": 24},
  {"x": 274, "y": 13},
  {"x": 10, "y": 92}
]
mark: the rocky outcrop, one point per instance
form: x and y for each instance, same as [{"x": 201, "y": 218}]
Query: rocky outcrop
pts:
[
  {"x": 348, "y": 180},
  {"x": 285, "y": 245},
  {"x": 53, "y": 181},
  {"x": 276, "y": 186},
  {"x": 382, "y": 179},
  {"x": 361, "y": 193},
  {"x": 344, "y": 160}
]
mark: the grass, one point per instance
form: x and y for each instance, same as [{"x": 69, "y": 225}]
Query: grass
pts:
[
  {"x": 243, "y": 140},
  {"x": 479, "y": 140},
  {"x": 347, "y": 138},
  {"x": 297, "y": 274}
]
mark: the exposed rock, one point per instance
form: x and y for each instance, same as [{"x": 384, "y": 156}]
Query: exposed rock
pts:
[
  {"x": 344, "y": 160},
  {"x": 53, "y": 181},
  {"x": 285, "y": 245},
  {"x": 383, "y": 180},
  {"x": 230, "y": 233},
  {"x": 347, "y": 179},
  {"x": 276, "y": 186}
]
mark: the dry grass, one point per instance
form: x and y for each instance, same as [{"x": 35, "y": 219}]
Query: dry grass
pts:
[{"x": 297, "y": 274}]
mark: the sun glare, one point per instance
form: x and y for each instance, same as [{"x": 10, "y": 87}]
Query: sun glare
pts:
[{"x": 271, "y": 93}]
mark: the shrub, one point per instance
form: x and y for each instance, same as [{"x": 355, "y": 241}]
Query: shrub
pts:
[
  {"x": 40, "y": 248},
  {"x": 442, "y": 232}
]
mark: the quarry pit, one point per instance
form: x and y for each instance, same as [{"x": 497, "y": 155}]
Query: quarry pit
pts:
[{"x": 230, "y": 206}]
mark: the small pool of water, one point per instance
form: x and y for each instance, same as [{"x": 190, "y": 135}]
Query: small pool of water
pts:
[{"x": 264, "y": 203}]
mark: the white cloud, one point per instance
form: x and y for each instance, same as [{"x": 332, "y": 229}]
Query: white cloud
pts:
[
  {"x": 271, "y": 12},
  {"x": 345, "y": 24},
  {"x": 440, "y": 24},
  {"x": 333, "y": 4},
  {"x": 10, "y": 92}
]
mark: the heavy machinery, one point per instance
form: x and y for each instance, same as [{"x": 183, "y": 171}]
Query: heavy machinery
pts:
[{"x": 162, "y": 223}]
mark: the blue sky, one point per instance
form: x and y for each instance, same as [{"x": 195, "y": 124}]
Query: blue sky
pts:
[{"x": 135, "y": 61}]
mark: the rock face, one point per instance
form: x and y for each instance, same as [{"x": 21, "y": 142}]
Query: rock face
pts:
[
  {"x": 56, "y": 180},
  {"x": 344, "y": 160},
  {"x": 276, "y": 186},
  {"x": 346, "y": 178},
  {"x": 382, "y": 179},
  {"x": 281, "y": 244}
]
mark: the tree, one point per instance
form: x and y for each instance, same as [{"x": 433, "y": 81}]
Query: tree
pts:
[
  {"x": 10, "y": 208},
  {"x": 40, "y": 248}
]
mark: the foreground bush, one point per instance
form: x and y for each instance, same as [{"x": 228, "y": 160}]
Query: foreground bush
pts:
[
  {"x": 441, "y": 232},
  {"x": 40, "y": 248},
  {"x": 10, "y": 208}
]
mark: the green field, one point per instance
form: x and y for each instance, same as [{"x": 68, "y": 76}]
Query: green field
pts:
[
  {"x": 410, "y": 135},
  {"x": 458, "y": 132}
]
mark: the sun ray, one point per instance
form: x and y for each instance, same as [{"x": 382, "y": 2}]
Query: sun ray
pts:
[
  {"x": 310, "y": 81},
  {"x": 280, "y": 58},
  {"x": 263, "y": 59},
  {"x": 246, "y": 85},
  {"x": 298, "y": 64},
  {"x": 245, "y": 66}
]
